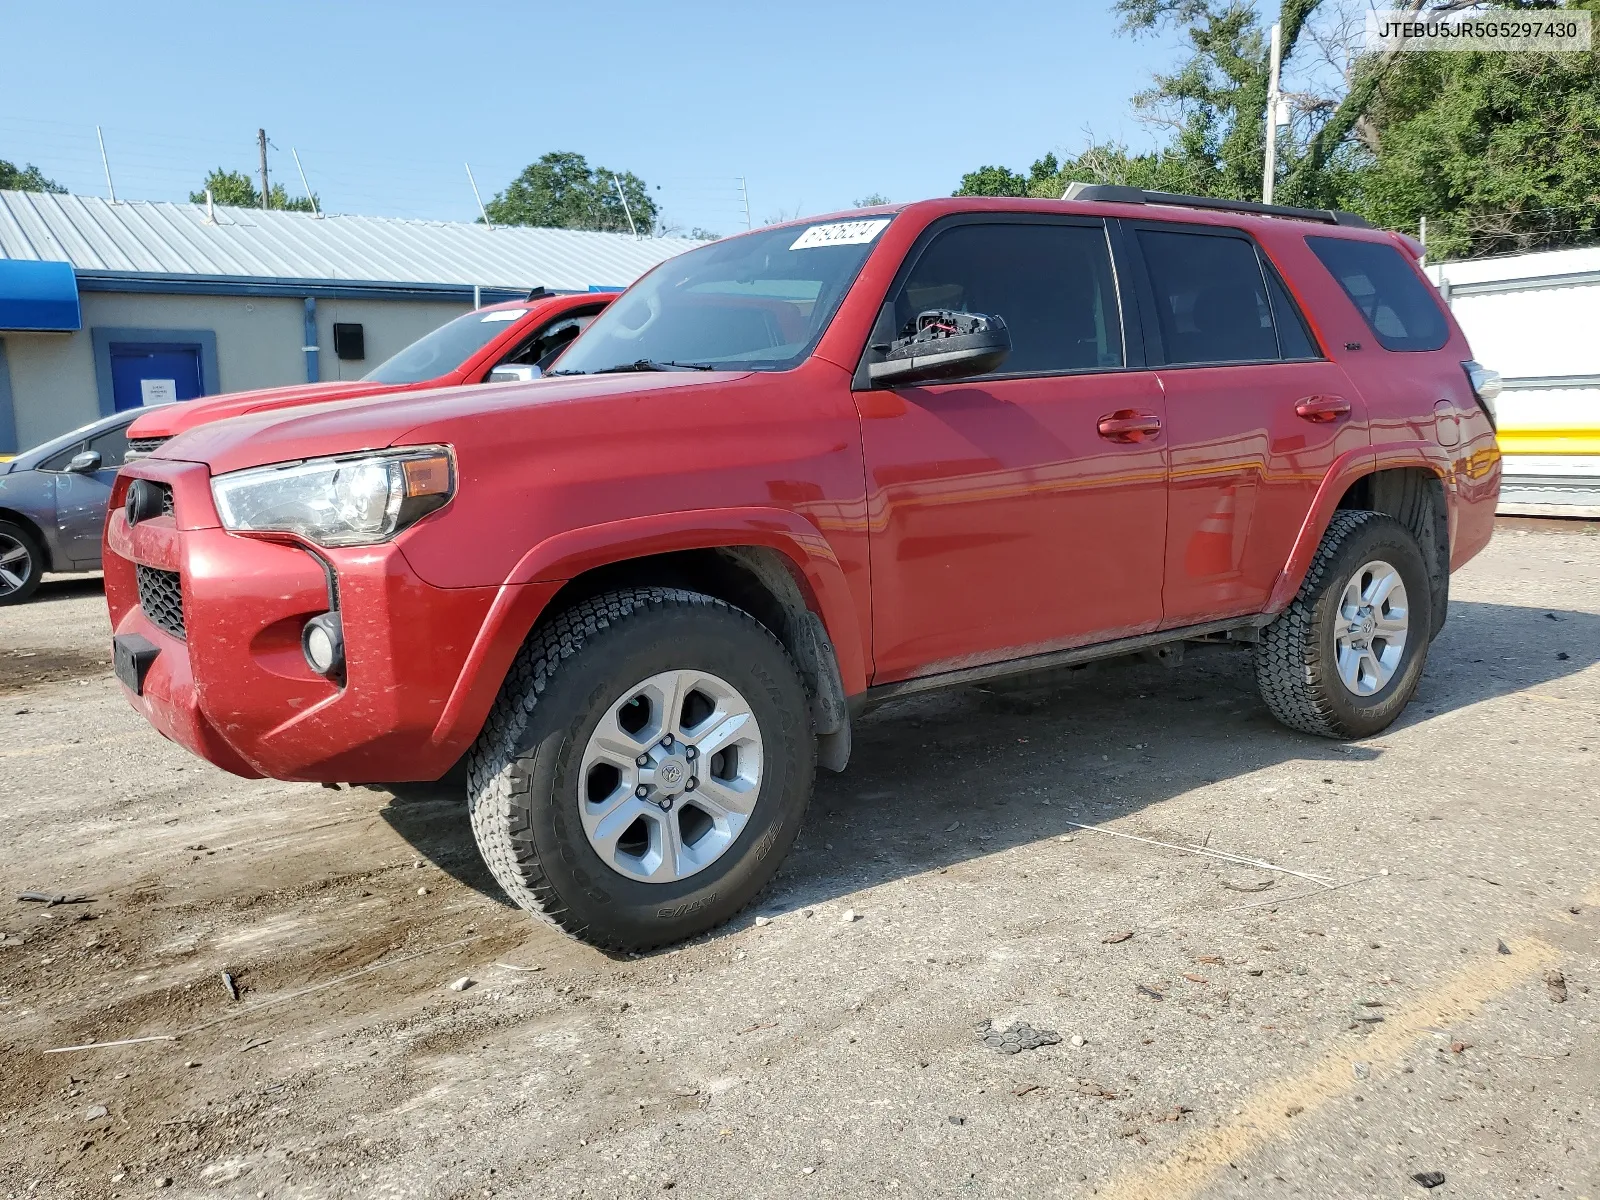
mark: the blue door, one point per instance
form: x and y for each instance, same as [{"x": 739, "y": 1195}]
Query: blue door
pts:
[{"x": 154, "y": 373}]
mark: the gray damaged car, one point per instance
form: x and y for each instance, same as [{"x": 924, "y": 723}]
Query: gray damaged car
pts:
[{"x": 53, "y": 504}]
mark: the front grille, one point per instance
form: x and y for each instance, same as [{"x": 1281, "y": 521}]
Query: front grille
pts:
[
  {"x": 161, "y": 597},
  {"x": 142, "y": 447}
]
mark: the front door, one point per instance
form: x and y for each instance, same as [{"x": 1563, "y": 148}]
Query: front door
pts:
[
  {"x": 1255, "y": 416},
  {"x": 81, "y": 497},
  {"x": 1003, "y": 521},
  {"x": 144, "y": 373}
]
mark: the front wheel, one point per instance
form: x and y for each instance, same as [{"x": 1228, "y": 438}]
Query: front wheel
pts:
[
  {"x": 645, "y": 767},
  {"x": 1344, "y": 659},
  {"x": 21, "y": 563}
]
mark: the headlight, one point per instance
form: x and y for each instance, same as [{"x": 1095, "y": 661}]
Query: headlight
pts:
[{"x": 350, "y": 500}]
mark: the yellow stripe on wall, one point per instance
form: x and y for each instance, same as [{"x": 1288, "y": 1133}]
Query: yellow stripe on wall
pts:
[{"x": 1551, "y": 440}]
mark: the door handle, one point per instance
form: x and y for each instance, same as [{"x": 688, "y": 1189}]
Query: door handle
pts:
[
  {"x": 1129, "y": 425},
  {"x": 1322, "y": 409}
]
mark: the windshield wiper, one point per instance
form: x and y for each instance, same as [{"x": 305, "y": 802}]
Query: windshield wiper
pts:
[{"x": 650, "y": 364}]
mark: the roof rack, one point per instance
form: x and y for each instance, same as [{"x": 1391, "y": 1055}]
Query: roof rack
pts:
[{"x": 1116, "y": 194}]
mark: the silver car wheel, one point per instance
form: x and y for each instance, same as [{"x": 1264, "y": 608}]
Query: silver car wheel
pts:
[
  {"x": 16, "y": 565},
  {"x": 670, "y": 776},
  {"x": 1370, "y": 636}
]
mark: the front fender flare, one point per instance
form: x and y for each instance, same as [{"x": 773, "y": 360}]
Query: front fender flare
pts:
[{"x": 539, "y": 574}]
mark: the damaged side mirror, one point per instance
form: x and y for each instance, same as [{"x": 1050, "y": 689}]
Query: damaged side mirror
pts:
[{"x": 942, "y": 344}]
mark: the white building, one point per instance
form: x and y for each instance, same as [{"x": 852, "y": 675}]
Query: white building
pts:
[{"x": 1535, "y": 318}]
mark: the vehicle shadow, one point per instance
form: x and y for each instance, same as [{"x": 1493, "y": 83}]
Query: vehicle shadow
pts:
[
  {"x": 68, "y": 587},
  {"x": 938, "y": 779}
]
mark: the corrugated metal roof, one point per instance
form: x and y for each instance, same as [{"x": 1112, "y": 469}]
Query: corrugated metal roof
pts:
[{"x": 156, "y": 237}]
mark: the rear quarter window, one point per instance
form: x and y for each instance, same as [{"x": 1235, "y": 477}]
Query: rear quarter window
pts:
[{"x": 1401, "y": 310}]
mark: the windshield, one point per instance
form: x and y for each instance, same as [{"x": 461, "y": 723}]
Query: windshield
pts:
[
  {"x": 757, "y": 302},
  {"x": 446, "y": 348}
]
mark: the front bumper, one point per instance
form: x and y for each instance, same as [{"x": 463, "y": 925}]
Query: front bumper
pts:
[{"x": 422, "y": 663}]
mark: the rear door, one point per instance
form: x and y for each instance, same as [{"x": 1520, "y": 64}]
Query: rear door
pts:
[
  {"x": 1255, "y": 415},
  {"x": 1003, "y": 521}
]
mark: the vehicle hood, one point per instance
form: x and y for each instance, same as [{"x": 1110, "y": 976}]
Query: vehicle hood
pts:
[
  {"x": 172, "y": 419},
  {"x": 471, "y": 411}
]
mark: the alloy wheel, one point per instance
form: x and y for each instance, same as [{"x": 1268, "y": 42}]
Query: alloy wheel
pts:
[
  {"x": 1370, "y": 633},
  {"x": 670, "y": 776},
  {"x": 16, "y": 565}
]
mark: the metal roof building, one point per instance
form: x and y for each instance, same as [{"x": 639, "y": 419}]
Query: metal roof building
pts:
[
  {"x": 128, "y": 240},
  {"x": 253, "y": 294}
]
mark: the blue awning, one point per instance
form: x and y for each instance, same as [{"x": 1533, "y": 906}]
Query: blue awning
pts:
[{"x": 38, "y": 296}]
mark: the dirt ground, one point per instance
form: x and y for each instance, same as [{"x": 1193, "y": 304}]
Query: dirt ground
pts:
[{"x": 1259, "y": 1033}]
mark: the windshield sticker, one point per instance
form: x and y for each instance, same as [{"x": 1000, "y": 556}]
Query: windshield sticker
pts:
[
  {"x": 504, "y": 314},
  {"x": 843, "y": 233}
]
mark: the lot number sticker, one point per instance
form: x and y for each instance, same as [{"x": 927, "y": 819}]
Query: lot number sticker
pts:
[
  {"x": 502, "y": 314},
  {"x": 842, "y": 233}
]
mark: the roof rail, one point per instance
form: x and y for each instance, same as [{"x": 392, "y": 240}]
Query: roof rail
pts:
[{"x": 1132, "y": 195}]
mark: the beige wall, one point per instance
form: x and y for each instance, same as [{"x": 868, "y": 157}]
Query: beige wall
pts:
[
  {"x": 388, "y": 325},
  {"x": 259, "y": 340},
  {"x": 52, "y": 384}
]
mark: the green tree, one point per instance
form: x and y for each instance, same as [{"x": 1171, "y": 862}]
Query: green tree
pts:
[
  {"x": 1501, "y": 152},
  {"x": 562, "y": 191},
  {"x": 237, "y": 188},
  {"x": 26, "y": 179}
]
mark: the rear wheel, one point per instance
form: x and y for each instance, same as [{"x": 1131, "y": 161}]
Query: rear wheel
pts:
[
  {"x": 21, "y": 563},
  {"x": 1344, "y": 659},
  {"x": 645, "y": 768}
]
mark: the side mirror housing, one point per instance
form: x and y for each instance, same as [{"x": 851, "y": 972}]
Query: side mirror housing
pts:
[
  {"x": 943, "y": 344},
  {"x": 515, "y": 373},
  {"x": 86, "y": 462}
]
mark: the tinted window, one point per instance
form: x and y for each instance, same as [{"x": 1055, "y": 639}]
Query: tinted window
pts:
[
  {"x": 1052, "y": 285},
  {"x": 113, "y": 447},
  {"x": 542, "y": 350},
  {"x": 59, "y": 460},
  {"x": 1294, "y": 340},
  {"x": 1211, "y": 299},
  {"x": 1401, "y": 310}
]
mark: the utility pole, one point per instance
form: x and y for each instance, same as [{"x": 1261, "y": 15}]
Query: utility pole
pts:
[
  {"x": 482, "y": 211},
  {"x": 106, "y": 163},
  {"x": 1269, "y": 170},
  {"x": 1422, "y": 236},
  {"x": 303, "y": 183},
  {"x": 261, "y": 141},
  {"x": 627, "y": 212},
  {"x": 744, "y": 194}
]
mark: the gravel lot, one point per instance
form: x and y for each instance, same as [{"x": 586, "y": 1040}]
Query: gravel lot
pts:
[{"x": 1293, "y": 1040}]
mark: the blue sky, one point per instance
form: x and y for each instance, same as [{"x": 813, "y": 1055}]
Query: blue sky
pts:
[{"x": 814, "y": 105}]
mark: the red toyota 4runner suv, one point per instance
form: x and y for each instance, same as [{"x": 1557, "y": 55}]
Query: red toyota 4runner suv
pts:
[
  {"x": 794, "y": 473},
  {"x": 499, "y": 342}
]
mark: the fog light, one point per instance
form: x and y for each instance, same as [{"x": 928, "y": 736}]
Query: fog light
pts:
[{"x": 322, "y": 642}]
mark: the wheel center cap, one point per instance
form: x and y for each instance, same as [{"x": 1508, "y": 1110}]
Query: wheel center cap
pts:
[
  {"x": 1368, "y": 625},
  {"x": 671, "y": 774}
]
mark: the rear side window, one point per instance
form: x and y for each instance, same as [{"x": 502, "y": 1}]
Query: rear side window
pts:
[
  {"x": 1400, "y": 309},
  {"x": 1294, "y": 341},
  {"x": 1051, "y": 284},
  {"x": 1210, "y": 298}
]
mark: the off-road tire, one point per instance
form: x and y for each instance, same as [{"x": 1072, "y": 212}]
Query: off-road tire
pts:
[
  {"x": 1295, "y": 658},
  {"x": 522, "y": 772},
  {"x": 30, "y": 581}
]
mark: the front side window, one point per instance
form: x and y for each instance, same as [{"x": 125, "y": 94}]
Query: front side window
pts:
[
  {"x": 1401, "y": 310},
  {"x": 543, "y": 349},
  {"x": 1210, "y": 298},
  {"x": 759, "y": 301},
  {"x": 1051, "y": 284},
  {"x": 112, "y": 446},
  {"x": 446, "y": 348}
]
